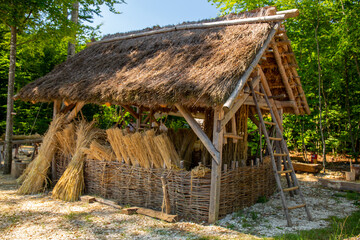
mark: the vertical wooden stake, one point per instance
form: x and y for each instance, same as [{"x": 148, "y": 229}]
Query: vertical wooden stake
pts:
[
  {"x": 166, "y": 199},
  {"x": 218, "y": 137}
]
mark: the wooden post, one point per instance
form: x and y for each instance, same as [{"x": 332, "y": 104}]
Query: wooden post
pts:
[
  {"x": 216, "y": 167},
  {"x": 57, "y": 107},
  {"x": 56, "y": 110},
  {"x": 166, "y": 199}
]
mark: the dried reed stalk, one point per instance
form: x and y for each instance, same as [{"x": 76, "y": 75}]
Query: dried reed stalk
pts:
[
  {"x": 167, "y": 151},
  {"x": 115, "y": 138},
  {"x": 141, "y": 152},
  {"x": 34, "y": 179},
  {"x": 66, "y": 140},
  {"x": 99, "y": 152},
  {"x": 71, "y": 184},
  {"x": 152, "y": 149},
  {"x": 131, "y": 149}
]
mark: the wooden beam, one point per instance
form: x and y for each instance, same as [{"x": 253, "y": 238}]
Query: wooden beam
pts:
[
  {"x": 289, "y": 13},
  {"x": 216, "y": 166},
  {"x": 241, "y": 83},
  {"x": 131, "y": 111},
  {"x": 284, "y": 76},
  {"x": 273, "y": 18},
  {"x": 57, "y": 107},
  {"x": 74, "y": 112},
  {"x": 239, "y": 102},
  {"x": 199, "y": 132}
]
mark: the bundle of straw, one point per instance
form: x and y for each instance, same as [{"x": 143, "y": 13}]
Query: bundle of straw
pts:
[
  {"x": 167, "y": 151},
  {"x": 66, "y": 140},
  {"x": 71, "y": 184},
  {"x": 99, "y": 151},
  {"x": 34, "y": 179},
  {"x": 115, "y": 138},
  {"x": 152, "y": 149}
]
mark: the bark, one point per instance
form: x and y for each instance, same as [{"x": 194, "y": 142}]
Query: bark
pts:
[
  {"x": 74, "y": 19},
  {"x": 319, "y": 93},
  {"x": 10, "y": 103}
]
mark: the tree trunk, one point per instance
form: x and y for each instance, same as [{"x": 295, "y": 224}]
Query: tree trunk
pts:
[
  {"x": 10, "y": 103},
  {"x": 319, "y": 78},
  {"x": 347, "y": 101},
  {"x": 74, "y": 19}
]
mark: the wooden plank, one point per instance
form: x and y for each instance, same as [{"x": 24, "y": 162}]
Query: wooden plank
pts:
[
  {"x": 108, "y": 202},
  {"x": 157, "y": 214},
  {"x": 199, "y": 132},
  {"x": 87, "y": 199},
  {"x": 129, "y": 211},
  {"x": 241, "y": 83},
  {"x": 75, "y": 111},
  {"x": 216, "y": 166},
  {"x": 307, "y": 167},
  {"x": 340, "y": 185}
]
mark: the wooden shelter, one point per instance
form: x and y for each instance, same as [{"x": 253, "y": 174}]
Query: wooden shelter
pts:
[{"x": 200, "y": 70}]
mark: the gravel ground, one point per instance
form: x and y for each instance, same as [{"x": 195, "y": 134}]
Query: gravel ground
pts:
[
  {"x": 41, "y": 217},
  {"x": 267, "y": 219}
]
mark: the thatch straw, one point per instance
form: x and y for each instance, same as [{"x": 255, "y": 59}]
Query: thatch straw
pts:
[
  {"x": 99, "y": 151},
  {"x": 71, "y": 184},
  {"x": 115, "y": 138},
  {"x": 152, "y": 149},
  {"x": 199, "y": 66},
  {"x": 131, "y": 149},
  {"x": 167, "y": 151},
  {"x": 34, "y": 179},
  {"x": 200, "y": 171},
  {"x": 66, "y": 140}
]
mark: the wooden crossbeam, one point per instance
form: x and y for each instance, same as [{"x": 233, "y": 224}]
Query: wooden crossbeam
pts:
[
  {"x": 75, "y": 111},
  {"x": 131, "y": 111},
  {"x": 199, "y": 132}
]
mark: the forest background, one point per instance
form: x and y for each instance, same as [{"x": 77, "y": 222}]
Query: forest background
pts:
[{"x": 325, "y": 39}]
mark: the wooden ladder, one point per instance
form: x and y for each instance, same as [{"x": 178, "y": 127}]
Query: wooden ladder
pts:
[{"x": 282, "y": 156}]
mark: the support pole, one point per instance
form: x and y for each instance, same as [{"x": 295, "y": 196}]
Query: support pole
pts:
[{"x": 216, "y": 167}]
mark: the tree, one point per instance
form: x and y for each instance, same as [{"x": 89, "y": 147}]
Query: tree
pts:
[
  {"x": 45, "y": 18},
  {"x": 327, "y": 33}
]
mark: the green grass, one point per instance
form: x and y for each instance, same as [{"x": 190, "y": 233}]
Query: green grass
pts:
[{"x": 340, "y": 228}]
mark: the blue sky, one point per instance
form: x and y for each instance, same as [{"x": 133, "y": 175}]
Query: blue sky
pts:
[{"x": 139, "y": 14}]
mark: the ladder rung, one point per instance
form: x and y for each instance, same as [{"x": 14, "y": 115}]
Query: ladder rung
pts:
[
  {"x": 259, "y": 93},
  {"x": 275, "y": 138},
  {"x": 270, "y": 123},
  {"x": 280, "y": 154},
  {"x": 297, "y": 206},
  {"x": 290, "y": 189},
  {"x": 284, "y": 171},
  {"x": 265, "y": 108}
]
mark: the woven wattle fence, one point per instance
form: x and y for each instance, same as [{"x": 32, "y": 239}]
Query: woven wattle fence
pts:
[{"x": 189, "y": 197}]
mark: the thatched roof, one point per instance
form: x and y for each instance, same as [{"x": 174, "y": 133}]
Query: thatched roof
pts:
[{"x": 197, "y": 67}]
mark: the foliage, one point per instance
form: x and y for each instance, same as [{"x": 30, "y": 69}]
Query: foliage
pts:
[{"x": 339, "y": 41}]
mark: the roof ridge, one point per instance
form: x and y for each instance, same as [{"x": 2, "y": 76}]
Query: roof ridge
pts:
[{"x": 267, "y": 14}]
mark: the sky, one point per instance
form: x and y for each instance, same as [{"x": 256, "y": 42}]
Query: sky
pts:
[{"x": 140, "y": 14}]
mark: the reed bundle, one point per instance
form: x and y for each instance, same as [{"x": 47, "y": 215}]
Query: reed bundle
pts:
[
  {"x": 167, "y": 151},
  {"x": 152, "y": 149},
  {"x": 34, "y": 179},
  {"x": 71, "y": 184},
  {"x": 115, "y": 138},
  {"x": 99, "y": 151},
  {"x": 66, "y": 140},
  {"x": 143, "y": 149}
]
